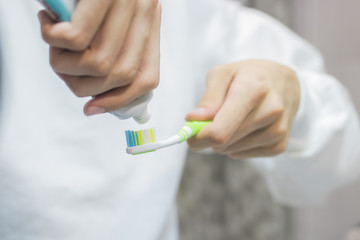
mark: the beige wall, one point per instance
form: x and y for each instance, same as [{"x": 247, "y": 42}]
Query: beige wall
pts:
[{"x": 333, "y": 27}]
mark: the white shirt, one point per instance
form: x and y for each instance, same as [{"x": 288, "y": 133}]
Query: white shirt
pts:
[{"x": 66, "y": 176}]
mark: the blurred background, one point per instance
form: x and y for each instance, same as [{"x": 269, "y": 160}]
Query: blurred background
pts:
[{"x": 227, "y": 199}]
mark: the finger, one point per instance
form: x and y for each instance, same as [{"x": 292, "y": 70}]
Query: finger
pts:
[
  {"x": 132, "y": 52},
  {"x": 77, "y": 34},
  {"x": 269, "y": 151},
  {"x": 243, "y": 96},
  {"x": 119, "y": 97},
  {"x": 149, "y": 71},
  {"x": 45, "y": 19},
  {"x": 105, "y": 48},
  {"x": 265, "y": 137},
  {"x": 269, "y": 111},
  {"x": 266, "y": 114},
  {"x": 83, "y": 86},
  {"x": 218, "y": 81},
  {"x": 201, "y": 114},
  {"x": 145, "y": 81},
  {"x": 77, "y": 63}
]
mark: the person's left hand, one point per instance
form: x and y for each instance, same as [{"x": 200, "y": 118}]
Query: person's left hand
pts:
[{"x": 252, "y": 104}]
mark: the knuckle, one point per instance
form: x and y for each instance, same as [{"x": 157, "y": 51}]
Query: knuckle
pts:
[
  {"x": 279, "y": 148},
  {"x": 77, "y": 39},
  {"x": 150, "y": 82},
  {"x": 278, "y": 108},
  {"x": 219, "y": 138},
  {"x": 75, "y": 87},
  {"x": 261, "y": 88},
  {"x": 258, "y": 87},
  {"x": 279, "y": 132},
  {"x": 100, "y": 65},
  {"x": 125, "y": 73},
  {"x": 274, "y": 111},
  {"x": 282, "y": 132}
]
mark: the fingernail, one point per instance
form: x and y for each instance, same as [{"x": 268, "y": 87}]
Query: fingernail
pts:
[{"x": 94, "y": 111}]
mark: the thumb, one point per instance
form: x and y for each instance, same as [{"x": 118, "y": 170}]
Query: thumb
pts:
[{"x": 218, "y": 81}]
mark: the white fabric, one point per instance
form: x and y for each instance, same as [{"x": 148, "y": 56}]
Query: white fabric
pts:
[{"x": 65, "y": 176}]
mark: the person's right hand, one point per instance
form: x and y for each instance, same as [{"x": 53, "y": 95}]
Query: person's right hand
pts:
[{"x": 110, "y": 50}]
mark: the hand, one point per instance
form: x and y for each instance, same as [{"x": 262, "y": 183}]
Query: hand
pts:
[
  {"x": 110, "y": 51},
  {"x": 252, "y": 104}
]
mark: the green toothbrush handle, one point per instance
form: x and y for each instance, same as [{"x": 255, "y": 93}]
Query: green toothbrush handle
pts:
[{"x": 196, "y": 126}]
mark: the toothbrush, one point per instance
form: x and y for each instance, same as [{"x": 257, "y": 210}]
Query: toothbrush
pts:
[{"x": 143, "y": 141}]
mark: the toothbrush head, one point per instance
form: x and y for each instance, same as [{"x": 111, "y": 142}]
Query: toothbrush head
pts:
[{"x": 139, "y": 140}]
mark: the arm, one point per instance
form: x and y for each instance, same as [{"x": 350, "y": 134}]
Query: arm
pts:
[
  {"x": 322, "y": 153},
  {"x": 319, "y": 153}
]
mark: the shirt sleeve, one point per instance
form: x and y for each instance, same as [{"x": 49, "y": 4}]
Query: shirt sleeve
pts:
[{"x": 322, "y": 154}]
